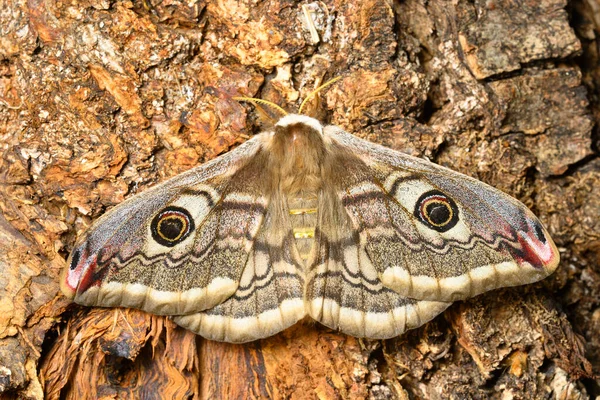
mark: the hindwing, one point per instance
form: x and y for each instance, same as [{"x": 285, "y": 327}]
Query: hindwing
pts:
[
  {"x": 270, "y": 296},
  {"x": 344, "y": 290}
]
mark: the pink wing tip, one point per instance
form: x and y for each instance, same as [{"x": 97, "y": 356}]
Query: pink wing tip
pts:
[
  {"x": 537, "y": 246},
  {"x": 79, "y": 275}
]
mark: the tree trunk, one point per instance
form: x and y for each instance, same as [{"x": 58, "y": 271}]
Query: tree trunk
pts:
[{"x": 101, "y": 100}]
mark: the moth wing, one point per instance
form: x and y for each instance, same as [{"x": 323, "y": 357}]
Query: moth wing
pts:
[
  {"x": 177, "y": 248},
  {"x": 435, "y": 234},
  {"x": 270, "y": 297},
  {"x": 344, "y": 290}
]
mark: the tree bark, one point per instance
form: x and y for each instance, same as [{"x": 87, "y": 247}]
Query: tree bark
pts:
[{"x": 100, "y": 100}]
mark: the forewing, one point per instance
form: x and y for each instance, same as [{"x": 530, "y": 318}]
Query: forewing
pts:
[
  {"x": 435, "y": 234},
  {"x": 270, "y": 296},
  {"x": 344, "y": 291},
  {"x": 177, "y": 248}
]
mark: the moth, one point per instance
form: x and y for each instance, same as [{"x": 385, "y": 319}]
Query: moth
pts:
[{"x": 307, "y": 220}]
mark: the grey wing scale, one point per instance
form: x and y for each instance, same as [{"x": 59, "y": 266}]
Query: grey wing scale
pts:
[
  {"x": 435, "y": 234},
  {"x": 396, "y": 240},
  {"x": 270, "y": 297},
  {"x": 344, "y": 291},
  {"x": 180, "y": 252}
]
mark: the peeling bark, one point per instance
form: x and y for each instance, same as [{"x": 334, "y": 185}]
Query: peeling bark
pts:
[{"x": 100, "y": 100}]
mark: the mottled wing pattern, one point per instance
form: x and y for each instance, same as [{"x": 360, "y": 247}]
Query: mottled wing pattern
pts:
[
  {"x": 344, "y": 291},
  {"x": 434, "y": 234},
  {"x": 179, "y": 249},
  {"x": 270, "y": 296},
  {"x": 396, "y": 240}
]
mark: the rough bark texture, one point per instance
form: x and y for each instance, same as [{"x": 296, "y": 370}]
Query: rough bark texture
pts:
[{"x": 99, "y": 100}]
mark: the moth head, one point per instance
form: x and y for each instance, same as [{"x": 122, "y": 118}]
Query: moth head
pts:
[
  {"x": 296, "y": 134},
  {"x": 297, "y": 122}
]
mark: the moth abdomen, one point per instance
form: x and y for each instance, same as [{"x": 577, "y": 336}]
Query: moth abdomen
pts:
[{"x": 303, "y": 217}]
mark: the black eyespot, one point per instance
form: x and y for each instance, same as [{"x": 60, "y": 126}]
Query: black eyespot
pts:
[
  {"x": 171, "y": 225},
  {"x": 437, "y": 211}
]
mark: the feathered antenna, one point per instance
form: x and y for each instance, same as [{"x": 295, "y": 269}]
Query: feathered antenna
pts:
[
  {"x": 281, "y": 110},
  {"x": 317, "y": 90},
  {"x": 261, "y": 101}
]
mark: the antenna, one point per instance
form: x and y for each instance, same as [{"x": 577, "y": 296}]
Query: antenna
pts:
[
  {"x": 317, "y": 90},
  {"x": 261, "y": 101}
]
